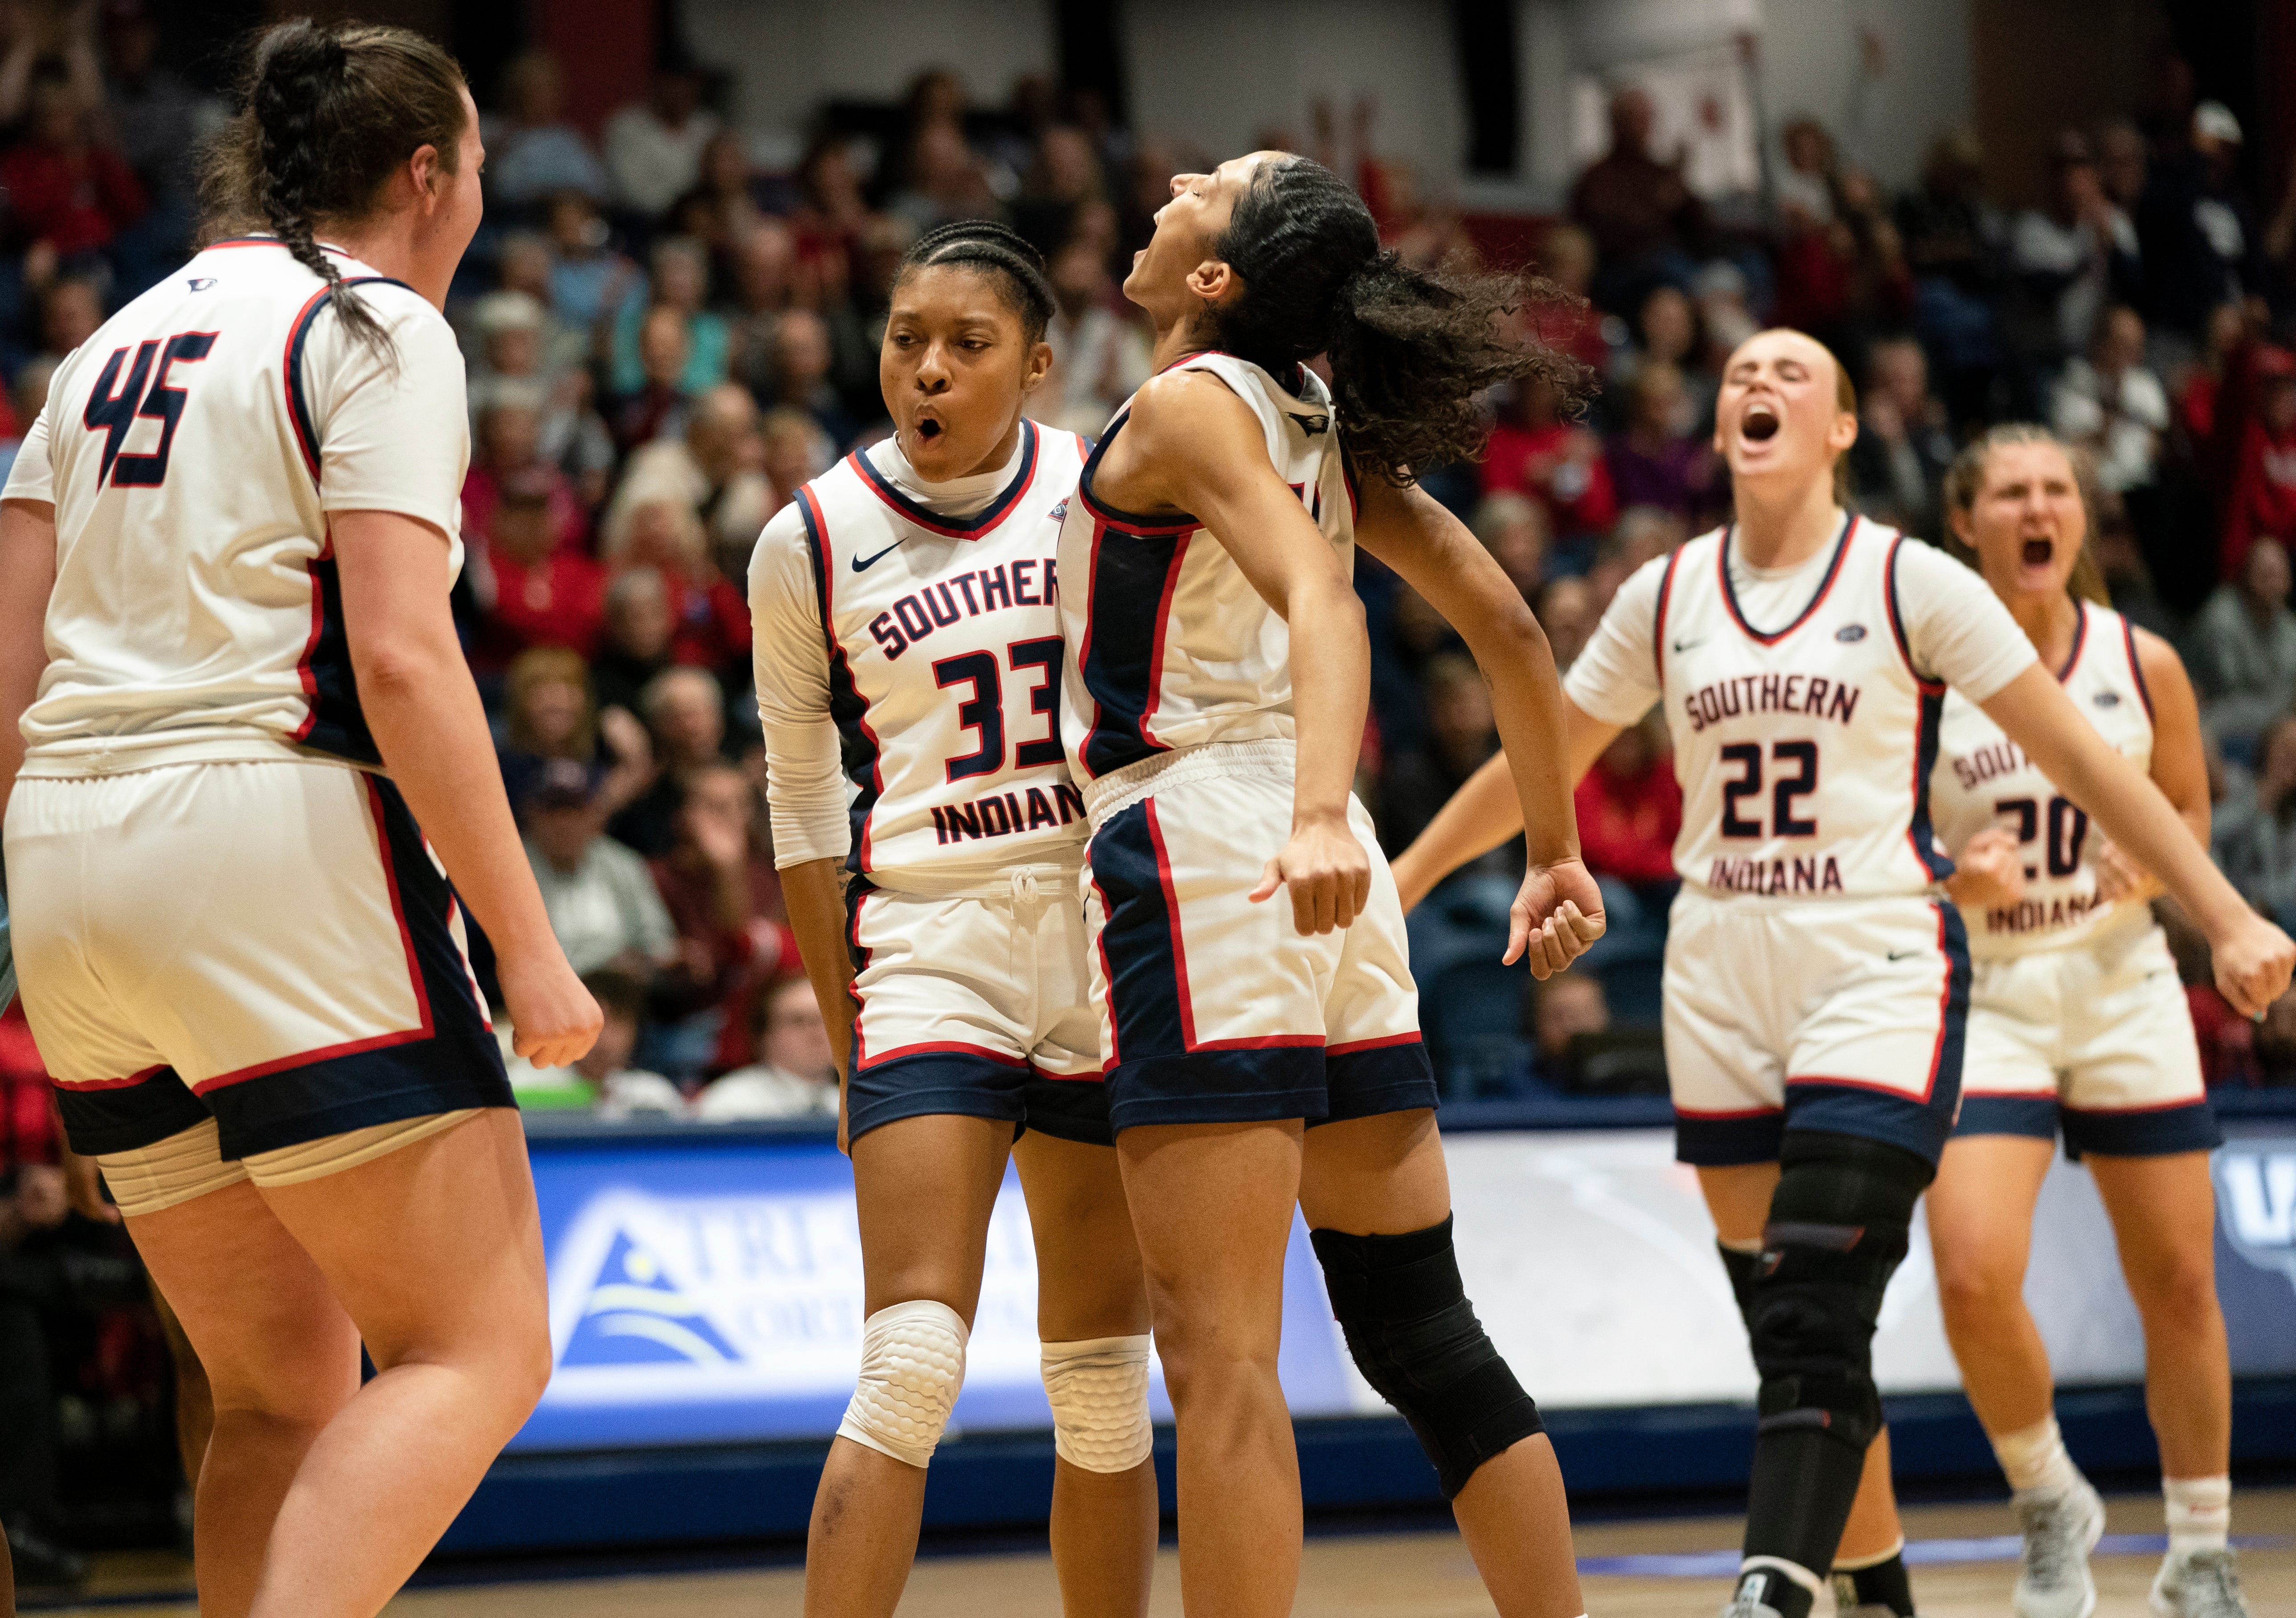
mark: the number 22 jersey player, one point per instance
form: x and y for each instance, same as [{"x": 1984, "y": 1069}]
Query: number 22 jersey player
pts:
[
  {"x": 909, "y": 634},
  {"x": 1813, "y": 977}
]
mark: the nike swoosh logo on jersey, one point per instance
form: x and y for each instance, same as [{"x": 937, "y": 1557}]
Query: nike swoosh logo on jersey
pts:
[
  {"x": 860, "y": 566},
  {"x": 1681, "y": 647},
  {"x": 1903, "y": 955}
]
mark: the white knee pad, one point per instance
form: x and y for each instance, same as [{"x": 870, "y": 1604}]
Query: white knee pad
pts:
[
  {"x": 1098, "y": 1389},
  {"x": 912, "y": 1365}
]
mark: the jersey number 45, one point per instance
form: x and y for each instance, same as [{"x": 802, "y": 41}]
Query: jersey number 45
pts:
[{"x": 113, "y": 409}]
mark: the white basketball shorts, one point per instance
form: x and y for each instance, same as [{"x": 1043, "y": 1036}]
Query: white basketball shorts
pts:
[
  {"x": 1217, "y": 1010},
  {"x": 272, "y": 945},
  {"x": 979, "y": 1004},
  {"x": 2096, "y": 1041},
  {"x": 1845, "y": 1015}
]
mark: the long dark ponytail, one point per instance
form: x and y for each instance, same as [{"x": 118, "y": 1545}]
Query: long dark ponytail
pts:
[
  {"x": 326, "y": 114},
  {"x": 1411, "y": 350}
]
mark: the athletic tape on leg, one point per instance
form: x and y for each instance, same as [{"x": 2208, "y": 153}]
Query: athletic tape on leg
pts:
[
  {"x": 1098, "y": 1389},
  {"x": 912, "y": 1365}
]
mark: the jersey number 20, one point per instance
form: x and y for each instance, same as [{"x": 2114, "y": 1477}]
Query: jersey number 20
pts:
[{"x": 112, "y": 409}]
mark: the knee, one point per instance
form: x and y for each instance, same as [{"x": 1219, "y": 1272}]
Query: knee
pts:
[
  {"x": 912, "y": 1370},
  {"x": 1098, "y": 1391},
  {"x": 2178, "y": 1290},
  {"x": 1978, "y": 1287}
]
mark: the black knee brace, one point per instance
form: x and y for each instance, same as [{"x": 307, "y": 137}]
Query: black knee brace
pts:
[
  {"x": 1837, "y": 1231},
  {"x": 1415, "y": 1339}
]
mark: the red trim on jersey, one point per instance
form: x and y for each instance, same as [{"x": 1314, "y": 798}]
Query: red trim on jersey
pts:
[
  {"x": 1382, "y": 1043},
  {"x": 1727, "y": 1114},
  {"x": 859, "y": 1056},
  {"x": 1010, "y": 499},
  {"x": 2080, "y": 639},
  {"x": 2193, "y": 1099},
  {"x": 1664, "y": 593},
  {"x": 1156, "y": 646},
  {"x": 1084, "y": 651},
  {"x": 1172, "y": 921},
  {"x": 110, "y": 1084},
  {"x": 352, "y": 1047},
  {"x": 287, "y": 378},
  {"x": 927, "y": 1047},
  {"x": 303, "y": 670},
  {"x": 2135, "y": 669},
  {"x": 837, "y": 650},
  {"x": 1897, "y": 619},
  {"x": 1824, "y": 587},
  {"x": 1090, "y": 1076},
  {"x": 1107, "y": 971}
]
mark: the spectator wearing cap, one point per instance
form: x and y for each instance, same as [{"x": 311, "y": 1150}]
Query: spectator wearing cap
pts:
[
  {"x": 639, "y": 629},
  {"x": 723, "y": 899},
  {"x": 2109, "y": 402},
  {"x": 603, "y": 908},
  {"x": 653, "y": 147},
  {"x": 2074, "y": 259},
  {"x": 791, "y": 1072},
  {"x": 64, "y": 188},
  {"x": 2263, "y": 501},
  {"x": 2245, "y": 649},
  {"x": 536, "y": 590},
  {"x": 716, "y": 469},
  {"x": 533, "y": 152},
  {"x": 551, "y": 714},
  {"x": 1904, "y": 442},
  {"x": 2201, "y": 243}
]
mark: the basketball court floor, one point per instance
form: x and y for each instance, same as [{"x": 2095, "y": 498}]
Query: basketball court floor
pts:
[{"x": 1678, "y": 1568}]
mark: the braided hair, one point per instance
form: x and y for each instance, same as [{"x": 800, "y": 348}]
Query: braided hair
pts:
[
  {"x": 1412, "y": 351},
  {"x": 327, "y": 113},
  {"x": 997, "y": 251}
]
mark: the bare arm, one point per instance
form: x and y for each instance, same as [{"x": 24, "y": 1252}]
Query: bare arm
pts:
[
  {"x": 815, "y": 893},
  {"x": 1560, "y": 911},
  {"x": 424, "y": 712},
  {"x": 1486, "y": 811},
  {"x": 1191, "y": 445},
  {"x": 27, "y": 576},
  {"x": 2253, "y": 957}
]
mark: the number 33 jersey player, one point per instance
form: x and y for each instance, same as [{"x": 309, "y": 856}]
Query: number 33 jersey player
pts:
[{"x": 943, "y": 677}]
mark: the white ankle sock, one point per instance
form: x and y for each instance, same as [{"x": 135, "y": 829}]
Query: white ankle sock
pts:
[
  {"x": 2200, "y": 1513},
  {"x": 2035, "y": 1461}
]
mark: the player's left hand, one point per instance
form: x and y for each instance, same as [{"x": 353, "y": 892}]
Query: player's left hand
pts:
[
  {"x": 2119, "y": 877},
  {"x": 1328, "y": 872},
  {"x": 1558, "y": 913},
  {"x": 2253, "y": 961}
]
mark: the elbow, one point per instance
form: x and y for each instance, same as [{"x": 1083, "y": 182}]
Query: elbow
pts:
[{"x": 389, "y": 668}]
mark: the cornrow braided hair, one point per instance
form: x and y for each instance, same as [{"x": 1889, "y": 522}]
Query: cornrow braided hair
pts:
[
  {"x": 327, "y": 114},
  {"x": 994, "y": 249},
  {"x": 1412, "y": 351}
]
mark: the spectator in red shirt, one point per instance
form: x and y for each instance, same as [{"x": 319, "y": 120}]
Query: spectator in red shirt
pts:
[
  {"x": 725, "y": 902},
  {"x": 510, "y": 442},
  {"x": 543, "y": 595},
  {"x": 2264, "y": 489},
  {"x": 66, "y": 189},
  {"x": 28, "y": 1123},
  {"x": 1558, "y": 463},
  {"x": 1629, "y": 808}
]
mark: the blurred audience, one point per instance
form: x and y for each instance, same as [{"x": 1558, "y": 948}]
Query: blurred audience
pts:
[{"x": 790, "y": 1072}]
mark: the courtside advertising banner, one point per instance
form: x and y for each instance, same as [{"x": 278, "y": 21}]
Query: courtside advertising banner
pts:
[{"x": 708, "y": 1289}]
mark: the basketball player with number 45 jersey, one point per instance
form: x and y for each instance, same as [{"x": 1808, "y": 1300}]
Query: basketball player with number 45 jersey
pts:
[{"x": 1818, "y": 984}]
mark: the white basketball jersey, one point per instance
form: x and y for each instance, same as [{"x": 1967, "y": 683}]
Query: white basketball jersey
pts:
[
  {"x": 1169, "y": 647},
  {"x": 1982, "y": 778},
  {"x": 945, "y": 664},
  {"x": 192, "y": 449},
  {"x": 1803, "y": 748}
]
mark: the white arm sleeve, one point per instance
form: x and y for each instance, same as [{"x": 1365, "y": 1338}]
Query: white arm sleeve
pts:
[
  {"x": 1615, "y": 678},
  {"x": 393, "y": 430},
  {"x": 1955, "y": 627},
  {"x": 805, "y": 790},
  {"x": 32, "y": 477}
]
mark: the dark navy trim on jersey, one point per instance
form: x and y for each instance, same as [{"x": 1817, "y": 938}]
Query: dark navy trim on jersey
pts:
[
  {"x": 1824, "y": 585},
  {"x": 333, "y": 722},
  {"x": 298, "y": 403},
  {"x": 1725, "y": 1140},
  {"x": 2031, "y": 1115},
  {"x": 447, "y": 1062},
  {"x": 1897, "y": 620},
  {"x": 1133, "y": 522},
  {"x": 859, "y": 751},
  {"x": 1129, "y": 594},
  {"x": 1377, "y": 1076},
  {"x": 2080, "y": 637},
  {"x": 1919, "y": 830},
  {"x": 934, "y": 1083},
  {"x": 1157, "y": 1073},
  {"x": 2136, "y": 668},
  {"x": 1657, "y": 623},
  {"x": 1070, "y": 1107},
  {"x": 127, "y": 1114},
  {"x": 955, "y": 528},
  {"x": 2142, "y": 1132}
]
